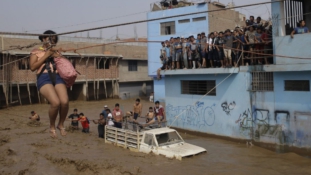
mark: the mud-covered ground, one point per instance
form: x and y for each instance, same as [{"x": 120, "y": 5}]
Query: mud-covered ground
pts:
[{"x": 27, "y": 149}]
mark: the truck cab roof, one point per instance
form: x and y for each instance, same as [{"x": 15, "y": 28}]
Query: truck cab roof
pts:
[{"x": 159, "y": 130}]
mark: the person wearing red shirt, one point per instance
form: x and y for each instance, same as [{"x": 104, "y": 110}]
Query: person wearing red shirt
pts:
[
  {"x": 117, "y": 116},
  {"x": 159, "y": 112},
  {"x": 84, "y": 123}
]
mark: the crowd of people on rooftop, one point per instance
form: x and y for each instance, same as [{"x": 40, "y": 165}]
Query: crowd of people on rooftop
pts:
[{"x": 219, "y": 49}]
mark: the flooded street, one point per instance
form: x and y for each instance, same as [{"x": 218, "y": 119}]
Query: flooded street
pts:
[{"x": 28, "y": 149}]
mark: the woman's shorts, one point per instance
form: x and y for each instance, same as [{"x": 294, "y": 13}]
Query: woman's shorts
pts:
[{"x": 44, "y": 79}]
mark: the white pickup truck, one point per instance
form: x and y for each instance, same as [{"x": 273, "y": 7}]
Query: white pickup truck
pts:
[{"x": 160, "y": 141}]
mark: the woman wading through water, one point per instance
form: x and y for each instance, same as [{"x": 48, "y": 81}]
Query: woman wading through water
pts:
[{"x": 49, "y": 83}]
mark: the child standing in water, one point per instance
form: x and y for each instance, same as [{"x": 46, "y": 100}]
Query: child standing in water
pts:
[{"x": 109, "y": 118}]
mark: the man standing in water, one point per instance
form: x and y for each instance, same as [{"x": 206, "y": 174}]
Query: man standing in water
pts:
[
  {"x": 137, "y": 109},
  {"x": 117, "y": 116}
]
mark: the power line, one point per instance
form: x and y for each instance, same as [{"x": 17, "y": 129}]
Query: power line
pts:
[
  {"x": 136, "y": 22},
  {"x": 89, "y": 22}
]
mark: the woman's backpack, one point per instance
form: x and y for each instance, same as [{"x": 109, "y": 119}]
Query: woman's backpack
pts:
[{"x": 66, "y": 70}]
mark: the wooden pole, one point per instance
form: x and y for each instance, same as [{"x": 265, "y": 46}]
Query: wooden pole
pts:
[
  {"x": 98, "y": 79},
  {"x": 94, "y": 83},
  {"x": 4, "y": 85},
  {"x": 111, "y": 77},
  {"x": 116, "y": 80},
  {"x": 105, "y": 87},
  {"x": 87, "y": 84},
  {"x": 18, "y": 90}
]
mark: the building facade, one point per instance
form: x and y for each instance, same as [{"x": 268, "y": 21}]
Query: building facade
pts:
[
  {"x": 265, "y": 104},
  {"x": 101, "y": 70},
  {"x": 161, "y": 30}
]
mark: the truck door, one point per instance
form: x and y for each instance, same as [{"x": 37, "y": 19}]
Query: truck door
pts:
[{"x": 148, "y": 144}]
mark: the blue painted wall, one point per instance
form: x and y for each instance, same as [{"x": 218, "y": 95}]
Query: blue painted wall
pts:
[
  {"x": 184, "y": 29},
  {"x": 299, "y": 46},
  {"x": 220, "y": 115},
  {"x": 278, "y": 117},
  {"x": 159, "y": 90}
]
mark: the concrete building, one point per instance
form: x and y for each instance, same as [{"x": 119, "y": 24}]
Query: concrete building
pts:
[
  {"x": 265, "y": 104},
  {"x": 161, "y": 30},
  {"x": 133, "y": 78},
  {"x": 105, "y": 70}
]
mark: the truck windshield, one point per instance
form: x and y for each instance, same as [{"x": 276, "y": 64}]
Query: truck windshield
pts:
[{"x": 168, "y": 138}]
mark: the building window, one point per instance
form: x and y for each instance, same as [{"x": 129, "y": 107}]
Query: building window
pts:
[
  {"x": 262, "y": 81},
  {"x": 23, "y": 64},
  {"x": 294, "y": 11},
  {"x": 132, "y": 65},
  {"x": 168, "y": 28},
  {"x": 199, "y": 19},
  {"x": 297, "y": 85},
  {"x": 198, "y": 87},
  {"x": 183, "y": 21},
  {"x": 100, "y": 63}
]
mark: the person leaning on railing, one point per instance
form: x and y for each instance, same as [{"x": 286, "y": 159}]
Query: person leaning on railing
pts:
[{"x": 301, "y": 29}]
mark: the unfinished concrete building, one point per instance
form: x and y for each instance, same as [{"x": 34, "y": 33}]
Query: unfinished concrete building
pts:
[{"x": 113, "y": 69}]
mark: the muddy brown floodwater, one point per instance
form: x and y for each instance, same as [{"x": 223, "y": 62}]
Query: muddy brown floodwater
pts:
[{"x": 28, "y": 149}]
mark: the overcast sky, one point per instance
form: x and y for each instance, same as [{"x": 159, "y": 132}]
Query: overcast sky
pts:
[{"x": 36, "y": 16}]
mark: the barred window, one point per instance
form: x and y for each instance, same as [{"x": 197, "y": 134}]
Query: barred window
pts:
[
  {"x": 100, "y": 63},
  {"x": 132, "y": 65},
  {"x": 168, "y": 28},
  {"x": 262, "y": 81},
  {"x": 200, "y": 87},
  {"x": 183, "y": 21},
  {"x": 297, "y": 85},
  {"x": 23, "y": 64},
  {"x": 203, "y": 18}
]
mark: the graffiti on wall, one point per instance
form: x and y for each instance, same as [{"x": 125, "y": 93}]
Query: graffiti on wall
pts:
[
  {"x": 278, "y": 128},
  {"x": 197, "y": 115},
  {"x": 228, "y": 107}
]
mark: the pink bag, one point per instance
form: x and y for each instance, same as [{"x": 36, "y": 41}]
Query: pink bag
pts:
[{"x": 66, "y": 70}]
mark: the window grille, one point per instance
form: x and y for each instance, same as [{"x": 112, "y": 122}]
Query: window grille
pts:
[
  {"x": 168, "y": 28},
  {"x": 184, "y": 21},
  {"x": 100, "y": 63},
  {"x": 262, "y": 81},
  {"x": 293, "y": 12},
  {"x": 23, "y": 64},
  {"x": 198, "y": 87},
  {"x": 297, "y": 85},
  {"x": 199, "y": 19},
  {"x": 132, "y": 65}
]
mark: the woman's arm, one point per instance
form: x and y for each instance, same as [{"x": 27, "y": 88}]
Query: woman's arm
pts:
[{"x": 35, "y": 63}]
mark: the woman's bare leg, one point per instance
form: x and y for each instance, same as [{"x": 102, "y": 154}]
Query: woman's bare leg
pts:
[
  {"x": 50, "y": 94},
  {"x": 61, "y": 91}
]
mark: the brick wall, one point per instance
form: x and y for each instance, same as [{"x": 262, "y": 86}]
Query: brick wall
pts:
[{"x": 224, "y": 19}]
